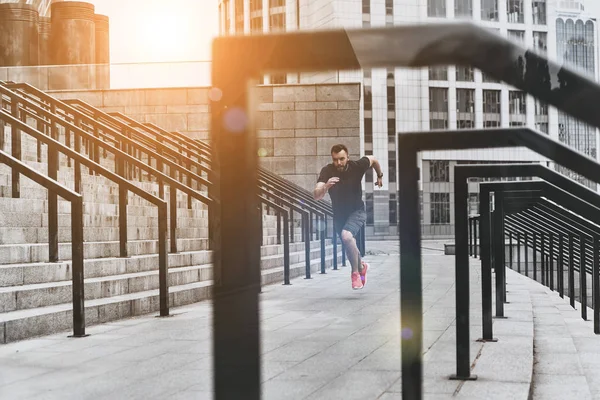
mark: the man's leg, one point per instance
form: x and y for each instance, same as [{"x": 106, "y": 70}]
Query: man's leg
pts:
[{"x": 352, "y": 251}]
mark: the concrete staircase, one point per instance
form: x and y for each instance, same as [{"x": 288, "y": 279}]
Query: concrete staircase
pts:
[{"x": 36, "y": 295}]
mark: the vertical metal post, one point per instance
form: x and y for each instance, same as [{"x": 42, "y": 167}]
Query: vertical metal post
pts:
[
  {"x": 123, "y": 193},
  {"x": 486, "y": 266},
  {"x": 322, "y": 239},
  {"x": 551, "y": 261},
  {"x": 163, "y": 272},
  {"x": 306, "y": 230},
  {"x": 582, "y": 278},
  {"x": 335, "y": 247},
  {"x": 286, "y": 249},
  {"x": 52, "y": 205},
  {"x": 15, "y": 145},
  {"x": 535, "y": 251},
  {"x": 411, "y": 300},
  {"x": 526, "y": 249},
  {"x": 279, "y": 214},
  {"x": 559, "y": 267},
  {"x": 519, "y": 252},
  {"x": 499, "y": 249},
  {"x": 543, "y": 256},
  {"x": 78, "y": 273},
  {"x": 462, "y": 272},
  {"x": 596, "y": 285},
  {"x": 470, "y": 230},
  {"x": 173, "y": 214},
  {"x": 571, "y": 271},
  {"x": 236, "y": 255},
  {"x": 343, "y": 253},
  {"x": 510, "y": 250}
]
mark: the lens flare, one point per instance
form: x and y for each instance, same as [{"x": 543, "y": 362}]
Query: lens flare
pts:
[
  {"x": 215, "y": 94},
  {"x": 407, "y": 333},
  {"x": 235, "y": 120},
  {"x": 262, "y": 152}
]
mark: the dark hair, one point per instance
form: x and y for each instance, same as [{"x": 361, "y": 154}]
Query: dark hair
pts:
[{"x": 339, "y": 147}]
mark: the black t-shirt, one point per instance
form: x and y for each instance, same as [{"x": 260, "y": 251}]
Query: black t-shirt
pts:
[{"x": 346, "y": 195}]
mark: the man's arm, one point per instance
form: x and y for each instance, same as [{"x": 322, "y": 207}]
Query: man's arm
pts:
[
  {"x": 320, "y": 191},
  {"x": 377, "y": 167}
]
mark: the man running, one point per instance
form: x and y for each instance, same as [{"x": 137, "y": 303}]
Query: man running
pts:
[{"x": 342, "y": 179}]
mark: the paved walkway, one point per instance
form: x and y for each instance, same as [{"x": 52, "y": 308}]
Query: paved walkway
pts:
[{"x": 321, "y": 340}]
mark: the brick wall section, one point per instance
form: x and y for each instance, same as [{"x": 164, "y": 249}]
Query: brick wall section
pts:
[{"x": 297, "y": 124}]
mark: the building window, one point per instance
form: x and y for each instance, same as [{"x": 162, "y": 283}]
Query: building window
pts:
[
  {"x": 391, "y": 129},
  {"x": 277, "y": 22},
  {"x": 368, "y": 98},
  {"x": 539, "y": 12},
  {"x": 366, "y": 6},
  {"x": 256, "y": 24},
  {"x": 438, "y": 73},
  {"x": 487, "y": 78},
  {"x": 491, "y": 108},
  {"x": 463, "y": 8},
  {"x": 515, "y": 11},
  {"x": 227, "y": 12},
  {"x": 256, "y": 5},
  {"x": 276, "y": 3},
  {"x": 278, "y": 79},
  {"x": 436, "y": 8},
  {"x": 489, "y": 10},
  {"x": 389, "y": 7},
  {"x": 465, "y": 108},
  {"x": 517, "y": 108},
  {"x": 392, "y": 169},
  {"x": 239, "y": 16},
  {"x": 439, "y": 208},
  {"x": 516, "y": 36},
  {"x": 438, "y": 108},
  {"x": 439, "y": 171},
  {"x": 368, "y": 130},
  {"x": 540, "y": 41},
  {"x": 391, "y": 98},
  {"x": 465, "y": 74}
]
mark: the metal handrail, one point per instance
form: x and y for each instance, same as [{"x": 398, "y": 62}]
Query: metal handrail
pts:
[
  {"x": 55, "y": 147},
  {"x": 121, "y": 157},
  {"x": 76, "y": 200}
]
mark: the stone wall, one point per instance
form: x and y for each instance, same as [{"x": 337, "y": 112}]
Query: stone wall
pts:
[{"x": 297, "y": 124}]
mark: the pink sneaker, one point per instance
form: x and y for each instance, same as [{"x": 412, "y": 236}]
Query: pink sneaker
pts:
[
  {"x": 356, "y": 281},
  {"x": 363, "y": 275}
]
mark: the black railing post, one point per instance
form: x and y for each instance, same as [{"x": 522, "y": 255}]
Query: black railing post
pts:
[
  {"x": 559, "y": 266},
  {"x": 486, "y": 267},
  {"x": 470, "y": 230},
  {"x": 306, "y": 237},
  {"x": 77, "y": 271},
  {"x": 462, "y": 277},
  {"x": 551, "y": 261},
  {"x": 582, "y": 278},
  {"x": 279, "y": 214},
  {"x": 499, "y": 249},
  {"x": 571, "y": 271},
  {"x": 519, "y": 252},
  {"x": 173, "y": 211},
  {"x": 286, "y": 250},
  {"x": 510, "y": 250},
  {"x": 526, "y": 249},
  {"x": 52, "y": 205},
  {"x": 15, "y": 145},
  {"x": 322, "y": 239},
  {"x": 123, "y": 192},
  {"x": 543, "y": 257},
  {"x": 596, "y": 284},
  {"x": 343, "y": 253},
  {"x": 535, "y": 251},
  {"x": 411, "y": 300},
  {"x": 163, "y": 273},
  {"x": 335, "y": 247}
]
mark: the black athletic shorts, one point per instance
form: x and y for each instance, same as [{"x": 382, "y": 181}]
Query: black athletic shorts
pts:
[{"x": 352, "y": 224}]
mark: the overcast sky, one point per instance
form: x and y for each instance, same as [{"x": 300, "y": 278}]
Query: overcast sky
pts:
[{"x": 160, "y": 30}]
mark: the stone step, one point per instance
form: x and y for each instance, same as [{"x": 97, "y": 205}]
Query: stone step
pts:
[
  {"x": 52, "y": 293},
  {"x": 24, "y": 324},
  {"x": 27, "y": 273}
]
